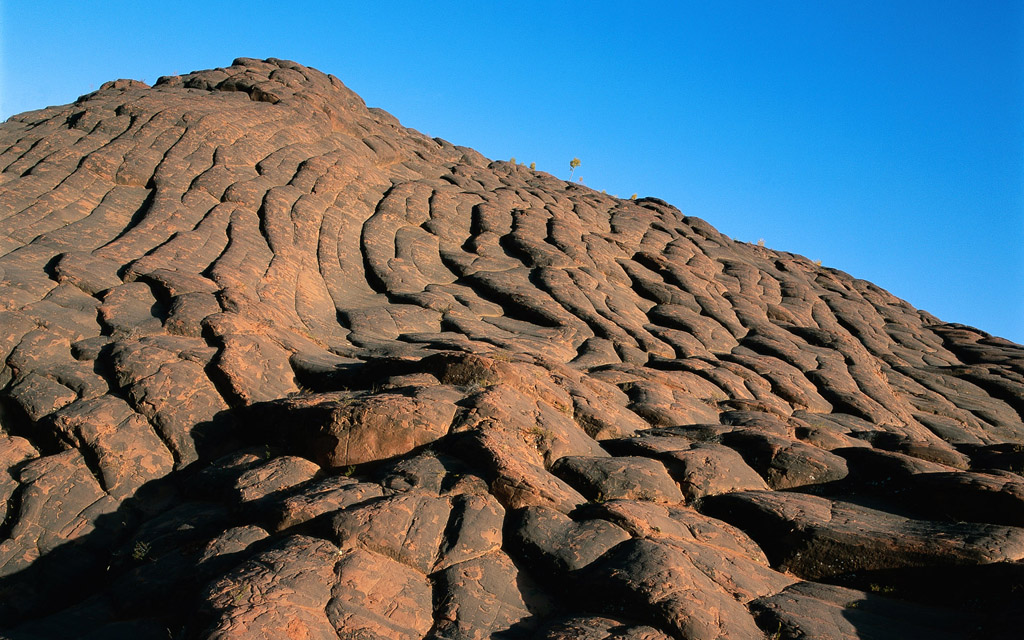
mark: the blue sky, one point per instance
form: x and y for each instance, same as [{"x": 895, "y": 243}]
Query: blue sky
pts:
[{"x": 885, "y": 139}]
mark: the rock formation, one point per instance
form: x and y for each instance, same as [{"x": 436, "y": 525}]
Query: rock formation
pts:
[{"x": 275, "y": 366}]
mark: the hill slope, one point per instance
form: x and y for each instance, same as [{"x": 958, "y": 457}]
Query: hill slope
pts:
[{"x": 276, "y": 366}]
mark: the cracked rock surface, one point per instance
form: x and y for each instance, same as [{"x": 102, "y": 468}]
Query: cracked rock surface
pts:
[{"x": 275, "y": 366}]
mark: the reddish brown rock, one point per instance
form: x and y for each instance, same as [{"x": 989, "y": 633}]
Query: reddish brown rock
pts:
[
  {"x": 338, "y": 430},
  {"x": 127, "y": 450},
  {"x": 653, "y": 521},
  {"x": 663, "y": 583},
  {"x": 557, "y": 544},
  {"x": 996, "y": 497},
  {"x": 785, "y": 463},
  {"x": 376, "y": 597},
  {"x": 276, "y": 475},
  {"x": 13, "y": 452},
  {"x": 324, "y": 496},
  {"x": 595, "y": 628},
  {"x": 284, "y": 589},
  {"x": 812, "y": 610},
  {"x": 408, "y": 528},
  {"x": 480, "y": 597},
  {"x": 699, "y": 468},
  {"x": 59, "y": 501},
  {"x": 816, "y": 538},
  {"x": 620, "y": 477},
  {"x": 247, "y": 319}
]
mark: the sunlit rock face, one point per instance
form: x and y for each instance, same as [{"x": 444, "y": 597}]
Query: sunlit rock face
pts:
[{"x": 275, "y": 366}]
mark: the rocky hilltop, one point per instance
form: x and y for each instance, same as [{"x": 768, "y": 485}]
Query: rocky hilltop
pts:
[{"x": 275, "y": 366}]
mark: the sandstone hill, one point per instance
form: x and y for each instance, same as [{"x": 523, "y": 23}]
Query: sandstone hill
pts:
[{"x": 275, "y": 366}]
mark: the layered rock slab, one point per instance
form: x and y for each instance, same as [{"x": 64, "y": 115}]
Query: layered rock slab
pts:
[{"x": 819, "y": 538}]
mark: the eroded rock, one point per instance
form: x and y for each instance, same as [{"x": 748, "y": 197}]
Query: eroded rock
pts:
[{"x": 273, "y": 365}]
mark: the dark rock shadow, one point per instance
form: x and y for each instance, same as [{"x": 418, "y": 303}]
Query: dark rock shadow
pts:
[{"x": 140, "y": 561}]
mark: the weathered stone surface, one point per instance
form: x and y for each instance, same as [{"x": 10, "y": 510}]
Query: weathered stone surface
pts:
[
  {"x": 813, "y": 610},
  {"x": 997, "y": 497},
  {"x": 595, "y": 628},
  {"x": 59, "y": 501},
  {"x": 627, "y": 477},
  {"x": 816, "y": 538},
  {"x": 126, "y": 448},
  {"x": 525, "y": 416},
  {"x": 273, "y": 365},
  {"x": 424, "y": 532},
  {"x": 233, "y": 541},
  {"x": 938, "y": 452},
  {"x": 13, "y": 452},
  {"x": 324, "y": 496},
  {"x": 425, "y": 472},
  {"x": 648, "y": 520},
  {"x": 699, "y": 468},
  {"x": 1005, "y": 457},
  {"x": 408, "y": 528},
  {"x": 785, "y": 463},
  {"x": 661, "y": 582},
  {"x": 474, "y": 529},
  {"x": 338, "y": 430},
  {"x": 276, "y": 475},
  {"x": 869, "y": 465},
  {"x": 510, "y": 447},
  {"x": 376, "y": 597},
  {"x": 285, "y": 589},
  {"x": 556, "y": 544},
  {"x": 480, "y": 597}
]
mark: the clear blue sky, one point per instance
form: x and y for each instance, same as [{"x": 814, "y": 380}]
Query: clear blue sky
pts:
[{"x": 884, "y": 138}]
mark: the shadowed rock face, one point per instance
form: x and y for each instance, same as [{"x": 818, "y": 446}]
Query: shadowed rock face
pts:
[{"x": 275, "y": 366}]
